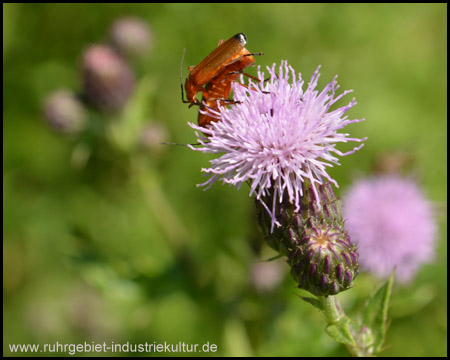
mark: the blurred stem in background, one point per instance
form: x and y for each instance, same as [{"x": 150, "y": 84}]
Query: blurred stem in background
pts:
[
  {"x": 146, "y": 176},
  {"x": 109, "y": 120}
]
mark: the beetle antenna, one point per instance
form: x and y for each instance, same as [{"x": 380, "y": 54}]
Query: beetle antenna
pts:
[
  {"x": 172, "y": 143},
  {"x": 181, "y": 76},
  {"x": 255, "y": 54}
]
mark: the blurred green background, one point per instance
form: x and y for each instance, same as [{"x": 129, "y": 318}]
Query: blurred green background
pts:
[{"x": 103, "y": 253}]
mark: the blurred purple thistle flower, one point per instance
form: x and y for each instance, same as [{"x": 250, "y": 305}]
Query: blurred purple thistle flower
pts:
[
  {"x": 392, "y": 223},
  {"x": 277, "y": 136},
  {"x": 65, "y": 113},
  {"x": 108, "y": 80},
  {"x": 131, "y": 37}
]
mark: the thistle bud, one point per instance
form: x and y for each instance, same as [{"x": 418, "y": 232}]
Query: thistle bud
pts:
[
  {"x": 64, "y": 112},
  {"x": 322, "y": 258},
  {"x": 107, "y": 79},
  {"x": 131, "y": 37},
  {"x": 152, "y": 137}
]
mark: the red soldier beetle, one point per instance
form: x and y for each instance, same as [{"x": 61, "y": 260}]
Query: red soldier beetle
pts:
[
  {"x": 219, "y": 88},
  {"x": 225, "y": 54}
]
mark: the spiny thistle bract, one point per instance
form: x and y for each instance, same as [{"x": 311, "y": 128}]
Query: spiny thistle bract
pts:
[{"x": 322, "y": 258}]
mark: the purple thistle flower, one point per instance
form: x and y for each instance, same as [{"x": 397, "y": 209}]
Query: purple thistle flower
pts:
[
  {"x": 131, "y": 37},
  {"x": 277, "y": 136},
  {"x": 65, "y": 113},
  {"x": 108, "y": 80},
  {"x": 392, "y": 223}
]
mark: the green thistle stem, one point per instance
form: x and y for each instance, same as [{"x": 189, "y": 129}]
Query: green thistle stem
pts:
[
  {"x": 331, "y": 312},
  {"x": 147, "y": 179},
  {"x": 322, "y": 258},
  {"x": 339, "y": 327}
]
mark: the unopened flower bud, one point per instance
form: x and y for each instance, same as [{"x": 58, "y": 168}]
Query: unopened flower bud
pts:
[
  {"x": 322, "y": 258},
  {"x": 266, "y": 276},
  {"x": 131, "y": 37},
  {"x": 393, "y": 163},
  {"x": 107, "y": 79},
  {"x": 64, "y": 112},
  {"x": 152, "y": 137}
]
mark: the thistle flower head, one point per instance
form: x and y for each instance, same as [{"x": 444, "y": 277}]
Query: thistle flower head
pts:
[
  {"x": 322, "y": 258},
  {"x": 108, "y": 81},
  {"x": 64, "y": 112},
  {"x": 131, "y": 37},
  {"x": 151, "y": 137},
  {"x": 276, "y": 136},
  {"x": 392, "y": 223}
]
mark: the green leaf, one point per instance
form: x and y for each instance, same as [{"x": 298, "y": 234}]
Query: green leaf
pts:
[
  {"x": 313, "y": 301},
  {"x": 340, "y": 332},
  {"x": 339, "y": 328},
  {"x": 236, "y": 340},
  {"x": 375, "y": 317},
  {"x": 124, "y": 131}
]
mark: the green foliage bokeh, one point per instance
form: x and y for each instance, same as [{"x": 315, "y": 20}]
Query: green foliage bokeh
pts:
[{"x": 87, "y": 256}]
